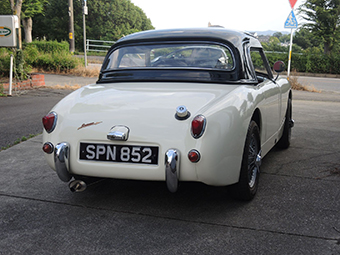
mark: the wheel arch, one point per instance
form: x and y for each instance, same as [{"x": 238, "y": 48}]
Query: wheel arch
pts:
[{"x": 257, "y": 118}]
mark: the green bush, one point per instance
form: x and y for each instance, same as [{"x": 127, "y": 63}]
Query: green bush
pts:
[
  {"x": 49, "y": 46},
  {"x": 20, "y": 67},
  {"x": 5, "y": 56},
  {"x": 50, "y": 56}
]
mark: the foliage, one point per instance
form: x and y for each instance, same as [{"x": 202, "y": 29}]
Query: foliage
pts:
[
  {"x": 44, "y": 55},
  {"x": 50, "y": 56},
  {"x": 48, "y": 46},
  {"x": 106, "y": 20},
  {"x": 2, "y": 94},
  {"x": 30, "y": 8},
  {"x": 323, "y": 20},
  {"x": 20, "y": 68},
  {"x": 309, "y": 59},
  {"x": 5, "y": 8},
  {"x": 4, "y": 61}
]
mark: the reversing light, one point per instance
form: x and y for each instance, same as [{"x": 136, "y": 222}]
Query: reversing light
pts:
[
  {"x": 198, "y": 126},
  {"x": 194, "y": 156},
  {"x": 48, "y": 147},
  {"x": 50, "y": 121}
]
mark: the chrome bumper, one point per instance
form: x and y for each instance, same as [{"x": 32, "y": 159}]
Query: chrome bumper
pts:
[
  {"x": 61, "y": 161},
  {"x": 172, "y": 169}
]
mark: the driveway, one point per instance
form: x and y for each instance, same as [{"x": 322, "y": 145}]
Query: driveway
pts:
[{"x": 296, "y": 210}]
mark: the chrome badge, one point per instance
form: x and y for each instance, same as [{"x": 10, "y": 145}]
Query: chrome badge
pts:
[{"x": 89, "y": 124}]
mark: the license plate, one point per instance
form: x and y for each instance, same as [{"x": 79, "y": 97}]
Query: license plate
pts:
[{"x": 119, "y": 153}]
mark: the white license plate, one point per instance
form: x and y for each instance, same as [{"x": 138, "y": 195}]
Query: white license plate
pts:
[{"x": 119, "y": 153}]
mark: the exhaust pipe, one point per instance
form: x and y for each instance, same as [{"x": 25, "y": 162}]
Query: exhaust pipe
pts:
[{"x": 77, "y": 186}]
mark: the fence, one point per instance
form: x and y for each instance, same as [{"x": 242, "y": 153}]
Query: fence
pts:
[{"x": 98, "y": 45}]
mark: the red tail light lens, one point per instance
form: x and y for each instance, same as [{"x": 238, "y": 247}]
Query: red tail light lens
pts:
[
  {"x": 198, "y": 126},
  {"x": 48, "y": 147},
  {"x": 194, "y": 156},
  {"x": 50, "y": 121}
]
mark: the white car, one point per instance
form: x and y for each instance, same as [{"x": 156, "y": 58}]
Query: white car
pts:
[{"x": 209, "y": 114}]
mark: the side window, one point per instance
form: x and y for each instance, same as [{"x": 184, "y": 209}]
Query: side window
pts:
[{"x": 260, "y": 64}]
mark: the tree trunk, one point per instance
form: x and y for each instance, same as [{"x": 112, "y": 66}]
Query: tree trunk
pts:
[
  {"x": 16, "y": 9},
  {"x": 28, "y": 23},
  {"x": 327, "y": 48}
]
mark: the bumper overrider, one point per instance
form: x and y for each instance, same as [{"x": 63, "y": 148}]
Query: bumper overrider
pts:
[
  {"x": 62, "y": 162},
  {"x": 62, "y": 165}
]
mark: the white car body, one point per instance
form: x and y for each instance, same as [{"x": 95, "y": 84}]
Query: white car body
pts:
[{"x": 147, "y": 110}]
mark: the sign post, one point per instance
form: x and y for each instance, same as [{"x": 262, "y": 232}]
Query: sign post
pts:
[
  {"x": 291, "y": 23},
  {"x": 8, "y": 38},
  {"x": 85, "y": 12},
  {"x": 71, "y": 26}
]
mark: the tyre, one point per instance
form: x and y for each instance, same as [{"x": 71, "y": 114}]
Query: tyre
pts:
[
  {"x": 246, "y": 188},
  {"x": 284, "y": 141}
]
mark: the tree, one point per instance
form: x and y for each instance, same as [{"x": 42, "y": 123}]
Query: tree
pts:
[
  {"x": 277, "y": 34},
  {"x": 30, "y": 8},
  {"x": 106, "y": 20},
  {"x": 5, "y": 8},
  {"x": 323, "y": 21},
  {"x": 16, "y": 10},
  {"x": 305, "y": 39}
]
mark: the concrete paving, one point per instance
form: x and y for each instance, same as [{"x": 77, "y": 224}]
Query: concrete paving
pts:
[
  {"x": 296, "y": 210},
  {"x": 69, "y": 80}
]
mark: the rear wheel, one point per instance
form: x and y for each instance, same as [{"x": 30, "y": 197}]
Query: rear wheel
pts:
[{"x": 246, "y": 188}]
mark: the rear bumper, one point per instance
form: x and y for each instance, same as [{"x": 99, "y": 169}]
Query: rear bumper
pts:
[
  {"x": 62, "y": 165},
  {"x": 217, "y": 169}
]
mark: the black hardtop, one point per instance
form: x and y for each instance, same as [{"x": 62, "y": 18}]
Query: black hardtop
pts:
[
  {"x": 191, "y": 34},
  {"x": 238, "y": 42}
]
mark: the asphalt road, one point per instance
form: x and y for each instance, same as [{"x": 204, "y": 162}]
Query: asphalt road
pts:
[
  {"x": 296, "y": 210},
  {"x": 321, "y": 83},
  {"x": 21, "y": 115}
]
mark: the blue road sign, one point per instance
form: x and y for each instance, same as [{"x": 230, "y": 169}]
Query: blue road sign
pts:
[{"x": 291, "y": 21}]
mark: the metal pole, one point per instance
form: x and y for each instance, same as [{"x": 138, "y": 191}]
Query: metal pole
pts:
[
  {"x": 71, "y": 26},
  {"x": 10, "y": 76},
  {"x": 290, "y": 52},
  {"x": 84, "y": 29}
]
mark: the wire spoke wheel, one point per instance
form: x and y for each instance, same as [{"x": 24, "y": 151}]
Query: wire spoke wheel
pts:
[
  {"x": 246, "y": 188},
  {"x": 253, "y": 167}
]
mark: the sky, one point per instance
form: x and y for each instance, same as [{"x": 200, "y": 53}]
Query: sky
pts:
[{"x": 243, "y": 15}]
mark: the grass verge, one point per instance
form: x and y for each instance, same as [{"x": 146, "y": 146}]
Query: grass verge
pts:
[
  {"x": 19, "y": 140},
  {"x": 298, "y": 86},
  {"x": 90, "y": 71}
]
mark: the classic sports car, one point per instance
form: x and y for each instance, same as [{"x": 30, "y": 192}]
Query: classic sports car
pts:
[{"x": 174, "y": 105}]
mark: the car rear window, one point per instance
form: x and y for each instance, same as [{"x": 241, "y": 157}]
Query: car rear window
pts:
[{"x": 197, "y": 56}]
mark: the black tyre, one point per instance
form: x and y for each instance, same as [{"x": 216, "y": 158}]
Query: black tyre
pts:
[
  {"x": 246, "y": 188},
  {"x": 284, "y": 141}
]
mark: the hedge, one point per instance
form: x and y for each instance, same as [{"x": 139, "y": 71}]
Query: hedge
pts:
[
  {"x": 50, "y": 56},
  {"x": 49, "y": 46},
  {"x": 311, "y": 63}
]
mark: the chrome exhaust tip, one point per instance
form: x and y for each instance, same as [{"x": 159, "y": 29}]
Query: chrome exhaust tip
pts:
[{"x": 77, "y": 186}]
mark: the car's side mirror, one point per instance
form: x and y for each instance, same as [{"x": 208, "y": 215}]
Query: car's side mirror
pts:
[{"x": 279, "y": 67}]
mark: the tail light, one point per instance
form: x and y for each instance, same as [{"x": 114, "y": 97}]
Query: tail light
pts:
[
  {"x": 194, "y": 156},
  {"x": 198, "y": 126},
  {"x": 50, "y": 121},
  {"x": 48, "y": 147}
]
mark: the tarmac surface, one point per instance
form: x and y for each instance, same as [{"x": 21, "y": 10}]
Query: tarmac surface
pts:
[{"x": 296, "y": 210}]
